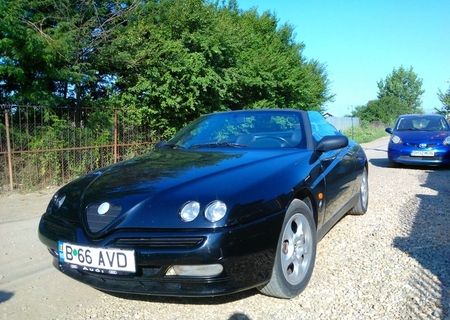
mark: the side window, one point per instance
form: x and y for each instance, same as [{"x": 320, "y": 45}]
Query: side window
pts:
[
  {"x": 444, "y": 124},
  {"x": 321, "y": 127}
]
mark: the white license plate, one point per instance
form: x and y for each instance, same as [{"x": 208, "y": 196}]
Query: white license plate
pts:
[
  {"x": 422, "y": 153},
  {"x": 100, "y": 260}
]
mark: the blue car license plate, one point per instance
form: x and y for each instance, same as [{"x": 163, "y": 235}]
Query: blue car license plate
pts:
[{"x": 422, "y": 153}]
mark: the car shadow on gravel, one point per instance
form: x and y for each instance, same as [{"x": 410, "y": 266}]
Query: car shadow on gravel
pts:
[
  {"x": 5, "y": 296},
  {"x": 428, "y": 243},
  {"x": 385, "y": 163},
  {"x": 382, "y": 163},
  {"x": 239, "y": 316},
  {"x": 187, "y": 300}
]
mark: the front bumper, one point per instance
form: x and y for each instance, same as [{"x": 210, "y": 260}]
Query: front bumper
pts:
[
  {"x": 402, "y": 154},
  {"x": 246, "y": 252}
]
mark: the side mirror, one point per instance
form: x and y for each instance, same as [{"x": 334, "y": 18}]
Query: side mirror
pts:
[
  {"x": 329, "y": 143},
  {"x": 389, "y": 130}
]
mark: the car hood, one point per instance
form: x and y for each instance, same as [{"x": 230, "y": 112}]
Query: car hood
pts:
[
  {"x": 148, "y": 191},
  {"x": 422, "y": 136}
]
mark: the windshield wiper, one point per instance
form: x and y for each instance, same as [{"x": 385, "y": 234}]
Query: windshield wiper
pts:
[{"x": 218, "y": 144}]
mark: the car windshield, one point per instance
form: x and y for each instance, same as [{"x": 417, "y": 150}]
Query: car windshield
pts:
[
  {"x": 243, "y": 129},
  {"x": 422, "y": 123}
]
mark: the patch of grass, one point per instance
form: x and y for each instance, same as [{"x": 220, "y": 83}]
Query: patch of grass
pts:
[{"x": 366, "y": 132}]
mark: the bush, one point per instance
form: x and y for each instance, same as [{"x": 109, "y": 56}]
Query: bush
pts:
[{"x": 366, "y": 132}]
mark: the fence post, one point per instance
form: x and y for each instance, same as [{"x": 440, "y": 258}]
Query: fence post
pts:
[
  {"x": 8, "y": 147},
  {"x": 115, "y": 135}
]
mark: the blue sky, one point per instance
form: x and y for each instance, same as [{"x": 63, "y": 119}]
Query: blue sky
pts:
[{"x": 361, "y": 41}]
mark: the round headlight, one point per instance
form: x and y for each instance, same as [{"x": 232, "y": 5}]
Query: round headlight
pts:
[
  {"x": 396, "y": 139},
  {"x": 215, "y": 211},
  {"x": 447, "y": 141},
  {"x": 190, "y": 211}
]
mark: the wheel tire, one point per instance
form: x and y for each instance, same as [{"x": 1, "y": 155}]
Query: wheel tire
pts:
[
  {"x": 296, "y": 253},
  {"x": 363, "y": 196}
]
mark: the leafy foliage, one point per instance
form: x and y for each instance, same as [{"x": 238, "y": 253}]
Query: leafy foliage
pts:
[
  {"x": 166, "y": 61},
  {"x": 404, "y": 85},
  {"x": 398, "y": 94},
  {"x": 385, "y": 110},
  {"x": 444, "y": 97},
  {"x": 49, "y": 50},
  {"x": 366, "y": 132}
]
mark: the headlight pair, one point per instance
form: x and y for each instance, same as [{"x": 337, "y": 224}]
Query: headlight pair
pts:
[
  {"x": 396, "y": 139},
  {"x": 214, "y": 211}
]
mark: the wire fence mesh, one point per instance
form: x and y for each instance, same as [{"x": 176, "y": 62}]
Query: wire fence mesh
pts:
[{"x": 53, "y": 146}]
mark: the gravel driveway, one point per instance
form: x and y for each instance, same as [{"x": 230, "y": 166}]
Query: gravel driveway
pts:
[{"x": 392, "y": 263}]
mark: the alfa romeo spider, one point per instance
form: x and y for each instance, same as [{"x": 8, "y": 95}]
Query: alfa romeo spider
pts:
[{"x": 235, "y": 200}]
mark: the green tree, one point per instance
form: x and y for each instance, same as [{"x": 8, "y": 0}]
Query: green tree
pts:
[
  {"x": 24, "y": 75},
  {"x": 444, "y": 97},
  {"x": 176, "y": 60},
  {"x": 385, "y": 110},
  {"x": 405, "y": 85},
  {"x": 48, "y": 50}
]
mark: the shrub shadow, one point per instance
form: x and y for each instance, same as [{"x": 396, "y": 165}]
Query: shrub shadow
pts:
[
  {"x": 5, "y": 295},
  {"x": 428, "y": 243}
]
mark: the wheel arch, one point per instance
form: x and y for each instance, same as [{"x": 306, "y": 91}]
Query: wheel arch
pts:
[{"x": 307, "y": 197}]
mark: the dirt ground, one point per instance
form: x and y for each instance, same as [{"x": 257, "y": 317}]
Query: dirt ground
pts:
[
  {"x": 392, "y": 263},
  {"x": 29, "y": 285}
]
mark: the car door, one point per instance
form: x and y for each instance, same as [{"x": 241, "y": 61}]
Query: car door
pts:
[
  {"x": 338, "y": 167},
  {"x": 339, "y": 172}
]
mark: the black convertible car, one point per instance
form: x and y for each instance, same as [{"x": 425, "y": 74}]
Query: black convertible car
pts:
[{"x": 235, "y": 200}]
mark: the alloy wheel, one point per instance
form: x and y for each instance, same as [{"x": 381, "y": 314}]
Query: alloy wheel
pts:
[{"x": 296, "y": 248}]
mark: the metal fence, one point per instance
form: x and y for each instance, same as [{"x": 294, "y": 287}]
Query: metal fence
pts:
[
  {"x": 344, "y": 123},
  {"x": 41, "y": 146}
]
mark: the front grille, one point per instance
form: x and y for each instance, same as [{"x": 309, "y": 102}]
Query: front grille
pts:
[
  {"x": 97, "y": 222},
  {"x": 150, "y": 271},
  {"x": 430, "y": 145},
  {"x": 160, "y": 242},
  {"x": 408, "y": 158}
]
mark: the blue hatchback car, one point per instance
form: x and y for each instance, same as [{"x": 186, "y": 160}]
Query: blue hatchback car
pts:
[{"x": 420, "y": 140}]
